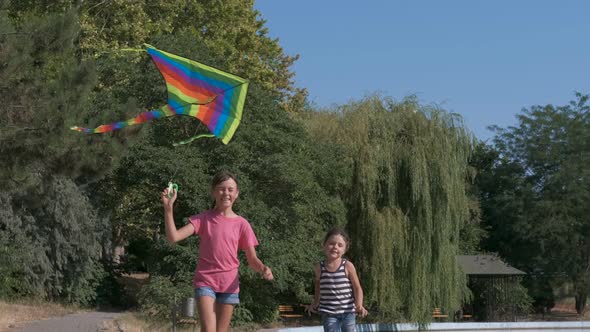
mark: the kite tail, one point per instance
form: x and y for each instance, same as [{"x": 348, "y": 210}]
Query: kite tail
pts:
[
  {"x": 141, "y": 118},
  {"x": 192, "y": 139}
]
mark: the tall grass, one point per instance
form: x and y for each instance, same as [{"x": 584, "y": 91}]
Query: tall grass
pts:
[{"x": 17, "y": 313}]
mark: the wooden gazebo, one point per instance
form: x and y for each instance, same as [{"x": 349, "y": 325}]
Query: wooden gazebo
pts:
[{"x": 492, "y": 283}]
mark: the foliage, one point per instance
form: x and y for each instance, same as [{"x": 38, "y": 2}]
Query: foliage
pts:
[
  {"x": 275, "y": 163},
  {"x": 53, "y": 235},
  {"x": 61, "y": 241},
  {"x": 17, "y": 255},
  {"x": 241, "y": 316},
  {"x": 388, "y": 169},
  {"x": 44, "y": 87},
  {"x": 69, "y": 78},
  {"x": 541, "y": 291},
  {"x": 472, "y": 233},
  {"x": 158, "y": 297},
  {"x": 499, "y": 299},
  {"x": 407, "y": 202},
  {"x": 534, "y": 195},
  {"x": 231, "y": 29}
]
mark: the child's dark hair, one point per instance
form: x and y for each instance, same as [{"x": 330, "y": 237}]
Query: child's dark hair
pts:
[
  {"x": 338, "y": 231},
  {"x": 222, "y": 176}
]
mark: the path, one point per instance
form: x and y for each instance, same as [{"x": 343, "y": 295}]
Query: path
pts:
[{"x": 80, "y": 322}]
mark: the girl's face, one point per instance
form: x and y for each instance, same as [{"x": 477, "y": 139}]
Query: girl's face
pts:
[
  {"x": 335, "y": 247},
  {"x": 225, "y": 194}
]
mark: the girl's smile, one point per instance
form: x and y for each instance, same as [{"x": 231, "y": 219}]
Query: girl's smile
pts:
[{"x": 225, "y": 194}]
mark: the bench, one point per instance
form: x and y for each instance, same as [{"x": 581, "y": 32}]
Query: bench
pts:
[
  {"x": 288, "y": 311},
  {"x": 466, "y": 316},
  {"x": 191, "y": 321},
  {"x": 437, "y": 313}
]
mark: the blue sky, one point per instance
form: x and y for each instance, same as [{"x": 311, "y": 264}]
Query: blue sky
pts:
[{"x": 485, "y": 60}]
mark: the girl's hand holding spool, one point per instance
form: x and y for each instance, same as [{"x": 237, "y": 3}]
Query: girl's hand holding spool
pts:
[{"x": 169, "y": 196}]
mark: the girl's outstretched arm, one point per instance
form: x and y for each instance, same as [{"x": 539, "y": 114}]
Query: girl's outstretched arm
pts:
[
  {"x": 173, "y": 235},
  {"x": 357, "y": 290},
  {"x": 313, "y": 307},
  {"x": 256, "y": 264}
]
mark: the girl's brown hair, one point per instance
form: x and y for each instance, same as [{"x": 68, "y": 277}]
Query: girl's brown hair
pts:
[
  {"x": 338, "y": 231},
  {"x": 222, "y": 176}
]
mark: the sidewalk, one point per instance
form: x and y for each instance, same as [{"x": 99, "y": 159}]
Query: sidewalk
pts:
[{"x": 81, "y": 322}]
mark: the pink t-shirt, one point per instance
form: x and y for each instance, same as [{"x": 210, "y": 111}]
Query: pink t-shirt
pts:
[{"x": 221, "y": 237}]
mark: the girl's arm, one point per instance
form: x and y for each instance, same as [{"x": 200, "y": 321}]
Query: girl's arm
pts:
[
  {"x": 357, "y": 290},
  {"x": 313, "y": 307},
  {"x": 256, "y": 264},
  {"x": 173, "y": 235}
]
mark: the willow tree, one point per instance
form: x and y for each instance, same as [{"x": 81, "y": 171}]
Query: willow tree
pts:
[{"x": 407, "y": 202}]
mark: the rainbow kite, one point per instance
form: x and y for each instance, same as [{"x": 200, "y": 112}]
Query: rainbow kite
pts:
[{"x": 211, "y": 95}]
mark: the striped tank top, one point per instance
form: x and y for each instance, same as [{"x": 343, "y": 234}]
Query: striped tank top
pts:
[{"x": 336, "y": 295}]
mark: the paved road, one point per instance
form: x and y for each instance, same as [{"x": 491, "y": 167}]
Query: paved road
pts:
[{"x": 80, "y": 322}]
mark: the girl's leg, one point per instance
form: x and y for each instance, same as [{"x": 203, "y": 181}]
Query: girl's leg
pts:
[
  {"x": 223, "y": 312},
  {"x": 207, "y": 317}
]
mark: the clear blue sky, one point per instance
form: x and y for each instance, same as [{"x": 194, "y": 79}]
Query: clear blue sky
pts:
[{"x": 485, "y": 60}]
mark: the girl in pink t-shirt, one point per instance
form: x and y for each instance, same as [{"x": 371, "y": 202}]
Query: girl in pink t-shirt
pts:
[{"x": 222, "y": 234}]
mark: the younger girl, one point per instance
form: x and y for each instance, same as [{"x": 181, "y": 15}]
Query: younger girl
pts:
[
  {"x": 338, "y": 292},
  {"x": 222, "y": 233}
]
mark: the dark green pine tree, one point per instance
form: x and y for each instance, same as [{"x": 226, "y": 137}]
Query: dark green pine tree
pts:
[
  {"x": 51, "y": 234},
  {"x": 45, "y": 89}
]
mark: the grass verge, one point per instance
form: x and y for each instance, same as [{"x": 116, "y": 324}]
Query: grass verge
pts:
[{"x": 15, "y": 313}]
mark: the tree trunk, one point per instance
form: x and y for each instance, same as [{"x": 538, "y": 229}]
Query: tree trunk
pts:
[{"x": 581, "y": 297}]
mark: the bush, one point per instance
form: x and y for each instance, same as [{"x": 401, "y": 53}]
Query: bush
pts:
[
  {"x": 160, "y": 294},
  {"x": 54, "y": 245}
]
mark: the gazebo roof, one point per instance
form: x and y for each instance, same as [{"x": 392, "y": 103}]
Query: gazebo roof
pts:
[{"x": 486, "y": 265}]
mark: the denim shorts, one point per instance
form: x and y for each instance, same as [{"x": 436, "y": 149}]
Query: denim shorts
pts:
[
  {"x": 339, "y": 322},
  {"x": 225, "y": 298}
]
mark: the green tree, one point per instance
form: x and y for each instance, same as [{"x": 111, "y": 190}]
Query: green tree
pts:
[
  {"x": 282, "y": 195},
  {"x": 538, "y": 209},
  {"x": 19, "y": 254},
  {"x": 52, "y": 236},
  {"x": 230, "y": 29},
  {"x": 45, "y": 88},
  {"x": 503, "y": 192},
  {"x": 54, "y": 246},
  {"x": 407, "y": 202},
  {"x": 473, "y": 233}
]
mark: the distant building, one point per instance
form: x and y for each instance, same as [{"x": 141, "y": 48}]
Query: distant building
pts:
[
  {"x": 493, "y": 284},
  {"x": 486, "y": 265}
]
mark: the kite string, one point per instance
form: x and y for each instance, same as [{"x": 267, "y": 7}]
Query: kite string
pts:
[{"x": 178, "y": 164}]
